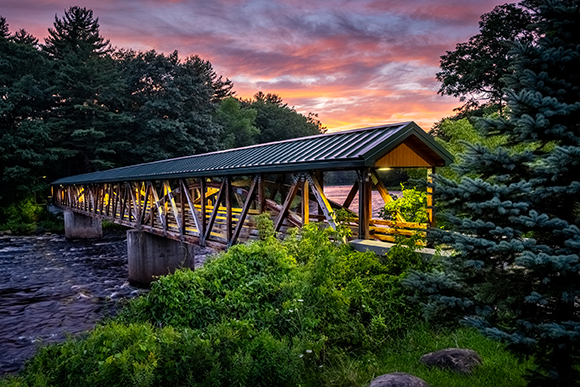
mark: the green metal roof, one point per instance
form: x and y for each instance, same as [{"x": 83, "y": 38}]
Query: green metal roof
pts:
[{"x": 331, "y": 151}]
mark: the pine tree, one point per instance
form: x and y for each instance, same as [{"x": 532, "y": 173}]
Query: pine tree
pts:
[
  {"x": 85, "y": 120},
  {"x": 171, "y": 104},
  {"x": 25, "y": 99},
  {"x": 515, "y": 268}
]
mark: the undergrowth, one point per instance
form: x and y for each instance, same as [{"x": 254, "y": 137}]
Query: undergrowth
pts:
[{"x": 307, "y": 311}]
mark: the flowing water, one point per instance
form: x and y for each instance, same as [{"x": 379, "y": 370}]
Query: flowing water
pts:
[{"x": 51, "y": 287}]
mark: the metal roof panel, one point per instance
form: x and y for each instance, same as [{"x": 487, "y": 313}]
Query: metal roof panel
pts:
[{"x": 347, "y": 149}]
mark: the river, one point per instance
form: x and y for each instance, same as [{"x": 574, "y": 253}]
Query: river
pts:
[{"x": 51, "y": 287}]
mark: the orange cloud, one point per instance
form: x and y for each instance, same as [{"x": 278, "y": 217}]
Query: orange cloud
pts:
[{"x": 354, "y": 63}]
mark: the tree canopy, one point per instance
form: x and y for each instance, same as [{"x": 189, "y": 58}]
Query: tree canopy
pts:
[
  {"x": 74, "y": 105},
  {"x": 514, "y": 216},
  {"x": 474, "y": 70}
]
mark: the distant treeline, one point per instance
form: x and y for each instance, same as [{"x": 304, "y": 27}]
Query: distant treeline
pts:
[{"x": 74, "y": 104}]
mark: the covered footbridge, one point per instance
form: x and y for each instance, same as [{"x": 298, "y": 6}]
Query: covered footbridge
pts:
[{"x": 212, "y": 199}]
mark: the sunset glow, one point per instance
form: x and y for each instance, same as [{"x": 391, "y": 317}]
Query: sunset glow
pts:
[{"x": 356, "y": 64}]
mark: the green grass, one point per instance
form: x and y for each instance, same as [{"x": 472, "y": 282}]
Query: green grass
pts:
[{"x": 303, "y": 312}]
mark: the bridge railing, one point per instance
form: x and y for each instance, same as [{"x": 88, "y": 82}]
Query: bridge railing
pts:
[{"x": 219, "y": 212}]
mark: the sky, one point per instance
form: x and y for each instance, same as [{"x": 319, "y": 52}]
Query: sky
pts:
[{"x": 356, "y": 63}]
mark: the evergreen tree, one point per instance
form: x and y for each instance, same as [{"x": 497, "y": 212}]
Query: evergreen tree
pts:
[
  {"x": 171, "y": 105},
  {"x": 222, "y": 88},
  {"x": 238, "y": 124},
  {"x": 515, "y": 268},
  {"x": 84, "y": 121},
  {"x": 76, "y": 33},
  {"x": 4, "y": 28},
  {"x": 25, "y": 99}
]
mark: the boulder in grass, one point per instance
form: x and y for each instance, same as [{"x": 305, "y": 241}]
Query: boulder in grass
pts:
[
  {"x": 398, "y": 379},
  {"x": 454, "y": 359}
]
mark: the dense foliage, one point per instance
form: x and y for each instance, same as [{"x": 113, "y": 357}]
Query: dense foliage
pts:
[
  {"x": 473, "y": 71},
  {"x": 515, "y": 268},
  {"x": 304, "y": 312},
  {"x": 74, "y": 105}
]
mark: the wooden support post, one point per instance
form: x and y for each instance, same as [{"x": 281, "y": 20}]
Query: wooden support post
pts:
[
  {"x": 364, "y": 204},
  {"x": 322, "y": 201},
  {"x": 351, "y": 194},
  {"x": 430, "y": 206},
  {"x": 247, "y": 204},
  {"x": 229, "y": 218},
  {"x": 202, "y": 230},
  {"x": 261, "y": 194},
  {"x": 193, "y": 210},
  {"x": 319, "y": 175},
  {"x": 98, "y": 199},
  {"x": 145, "y": 201},
  {"x": 133, "y": 206},
  {"x": 182, "y": 190},
  {"x": 170, "y": 201},
  {"x": 159, "y": 208},
  {"x": 115, "y": 205},
  {"x": 122, "y": 202},
  {"x": 287, "y": 203},
  {"x": 109, "y": 201},
  {"x": 305, "y": 203},
  {"x": 215, "y": 211},
  {"x": 86, "y": 198}
]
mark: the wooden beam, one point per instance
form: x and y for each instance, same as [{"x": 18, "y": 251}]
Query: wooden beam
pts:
[
  {"x": 158, "y": 208},
  {"x": 109, "y": 202},
  {"x": 387, "y": 198},
  {"x": 430, "y": 206},
  {"x": 203, "y": 215},
  {"x": 305, "y": 203},
  {"x": 364, "y": 205},
  {"x": 322, "y": 200},
  {"x": 229, "y": 220},
  {"x": 247, "y": 204},
  {"x": 287, "y": 203},
  {"x": 215, "y": 211},
  {"x": 122, "y": 202},
  {"x": 351, "y": 195},
  {"x": 194, "y": 215},
  {"x": 261, "y": 194},
  {"x": 134, "y": 210},
  {"x": 145, "y": 201},
  {"x": 115, "y": 204},
  {"x": 171, "y": 198},
  {"x": 320, "y": 178}
]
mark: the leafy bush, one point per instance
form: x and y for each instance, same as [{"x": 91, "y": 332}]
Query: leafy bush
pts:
[
  {"x": 301, "y": 312},
  {"x": 412, "y": 206},
  {"x": 21, "y": 217}
]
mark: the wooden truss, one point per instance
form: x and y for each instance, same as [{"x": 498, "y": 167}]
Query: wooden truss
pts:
[{"x": 220, "y": 212}]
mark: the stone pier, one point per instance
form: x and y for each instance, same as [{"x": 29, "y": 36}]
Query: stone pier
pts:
[
  {"x": 151, "y": 255},
  {"x": 81, "y": 226}
]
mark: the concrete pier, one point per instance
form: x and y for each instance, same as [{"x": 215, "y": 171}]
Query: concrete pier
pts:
[
  {"x": 151, "y": 255},
  {"x": 81, "y": 226}
]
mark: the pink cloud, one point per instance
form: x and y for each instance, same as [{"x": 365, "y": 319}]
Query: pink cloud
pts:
[{"x": 353, "y": 62}]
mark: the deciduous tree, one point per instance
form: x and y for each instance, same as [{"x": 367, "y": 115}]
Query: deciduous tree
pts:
[{"x": 473, "y": 71}]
